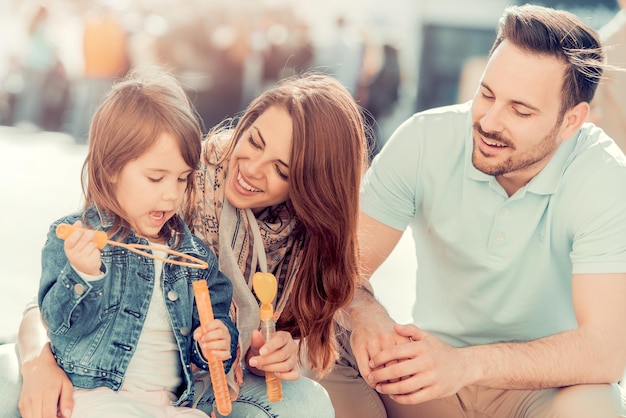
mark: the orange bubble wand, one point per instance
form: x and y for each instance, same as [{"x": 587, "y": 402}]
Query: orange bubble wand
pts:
[
  {"x": 216, "y": 367},
  {"x": 265, "y": 286},
  {"x": 101, "y": 239}
]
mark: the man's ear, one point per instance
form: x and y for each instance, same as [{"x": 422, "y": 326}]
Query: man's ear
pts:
[{"x": 573, "y": 120}]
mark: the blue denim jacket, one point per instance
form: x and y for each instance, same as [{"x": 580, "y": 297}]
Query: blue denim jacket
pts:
[{"x": 94, "y": 326}]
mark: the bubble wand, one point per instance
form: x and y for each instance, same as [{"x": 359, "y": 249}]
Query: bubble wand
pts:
[
  {"x": 265, "y": 287},
  {"x": 101, "y": 239},
  {"x": 216, "y": 367}
]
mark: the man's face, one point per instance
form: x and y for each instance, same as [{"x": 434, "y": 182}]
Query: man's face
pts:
[{"x": 516, "y": 115}]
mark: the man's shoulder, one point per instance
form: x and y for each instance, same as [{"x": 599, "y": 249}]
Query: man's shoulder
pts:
[
  {"x": 461, "y": 110},
  {"x": 594, "y": 146}
]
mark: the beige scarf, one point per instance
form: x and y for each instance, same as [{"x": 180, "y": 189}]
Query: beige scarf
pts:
[{"x": 244, "y": 244}]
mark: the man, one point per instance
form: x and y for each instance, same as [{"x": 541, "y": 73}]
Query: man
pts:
[{"x": 518, "y": 210}]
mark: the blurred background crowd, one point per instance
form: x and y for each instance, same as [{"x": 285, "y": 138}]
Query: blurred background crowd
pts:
[{"x": 58, "y": 57}]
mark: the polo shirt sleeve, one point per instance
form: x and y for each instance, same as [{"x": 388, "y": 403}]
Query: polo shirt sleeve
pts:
[
  {"x": 599, "y": 222},
  {"x": 388, "y": 190}
]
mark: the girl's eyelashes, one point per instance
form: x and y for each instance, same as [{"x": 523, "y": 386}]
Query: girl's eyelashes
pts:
[{"x": 179, "y": 179}]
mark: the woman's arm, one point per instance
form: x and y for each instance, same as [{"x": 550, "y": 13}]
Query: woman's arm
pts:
[{"x": 46, "y": 388}]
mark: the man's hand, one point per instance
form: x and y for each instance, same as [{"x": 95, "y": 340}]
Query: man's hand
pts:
[
  {"x": 422, "y": 368},
  {"x": 372, "y": 330}
]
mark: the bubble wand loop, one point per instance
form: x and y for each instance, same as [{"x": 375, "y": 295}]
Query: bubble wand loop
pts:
[
  {"x": 101, "y": 239},
  {"x": 265, "y": 286}
]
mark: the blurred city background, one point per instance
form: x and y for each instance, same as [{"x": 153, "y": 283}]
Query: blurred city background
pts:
[{"x": 58, "y": 57}]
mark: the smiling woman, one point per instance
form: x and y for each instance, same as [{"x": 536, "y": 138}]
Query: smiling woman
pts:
[{"x": 279, "y": 194}]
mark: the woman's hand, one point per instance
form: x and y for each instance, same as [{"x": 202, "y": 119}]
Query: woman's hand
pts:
[
  {"x": 213, "y": 338},
  {"x": 278, "y": 355},
  {"x": 46, "y": 389}
]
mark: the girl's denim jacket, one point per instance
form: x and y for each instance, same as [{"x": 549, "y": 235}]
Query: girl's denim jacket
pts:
[{"x": 94, "y": 326}]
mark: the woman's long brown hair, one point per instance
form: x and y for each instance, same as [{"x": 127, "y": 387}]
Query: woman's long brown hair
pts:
[{"x": 328, "y": 157}]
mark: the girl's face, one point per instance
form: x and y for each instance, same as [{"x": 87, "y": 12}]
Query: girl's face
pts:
[
  {"x": 258, "y": 171},
  {"x": 151, "y": 188}
]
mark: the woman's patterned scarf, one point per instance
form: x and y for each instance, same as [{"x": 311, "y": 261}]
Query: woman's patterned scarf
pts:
[{"x": 230, "y": 232}]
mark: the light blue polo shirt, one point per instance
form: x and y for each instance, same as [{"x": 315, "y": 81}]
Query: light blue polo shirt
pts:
[{"x": 491, "y": 267}]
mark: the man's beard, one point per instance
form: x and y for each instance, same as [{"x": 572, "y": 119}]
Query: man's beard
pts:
[{"x": 514, "y": 162}]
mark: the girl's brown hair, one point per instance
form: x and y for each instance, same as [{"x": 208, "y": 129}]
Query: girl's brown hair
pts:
[
  {"x": 137, "y": 110},
  {"x": 328, "y": 156}
]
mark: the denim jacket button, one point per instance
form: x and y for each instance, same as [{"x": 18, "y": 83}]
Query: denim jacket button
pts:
[
  {"x": 184, "y": 331},
  {"x": 172, "y": 295},
  {"x": 79, "y": 289}
]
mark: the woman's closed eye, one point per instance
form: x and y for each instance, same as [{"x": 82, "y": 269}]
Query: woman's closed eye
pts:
[
  {"x": 252, "y": 142},
  {"x": 280, "y": 173}
]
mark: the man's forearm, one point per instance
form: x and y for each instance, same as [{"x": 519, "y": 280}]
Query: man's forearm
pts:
[
  {"x": 564, "y": 359},
  {"x": 365, "y": 304}
]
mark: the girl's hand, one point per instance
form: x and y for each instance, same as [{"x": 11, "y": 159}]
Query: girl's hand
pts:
[
  {"x": 213, "y": 338},
  {"x": 83, "y": 253},
  {"x": 279, "y": 355}
]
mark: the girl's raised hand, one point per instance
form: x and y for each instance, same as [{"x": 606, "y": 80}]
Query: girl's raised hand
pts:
[{"x": 82, "y": 252}]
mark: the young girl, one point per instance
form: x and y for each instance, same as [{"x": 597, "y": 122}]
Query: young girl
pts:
[{"x": 120, "y": 324}]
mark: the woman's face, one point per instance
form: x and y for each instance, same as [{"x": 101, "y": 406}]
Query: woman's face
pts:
[{"x": 258, "y": 171}]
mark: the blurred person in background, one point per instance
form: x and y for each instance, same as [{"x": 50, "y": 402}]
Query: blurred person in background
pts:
[
  {"x": 105, "y": 58},
  {"x": 341, "y": 55},
  {"x": 379, "y": 93},
  {"x": 609, "y": 104},
  {"x": 38, "y": 68}
]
